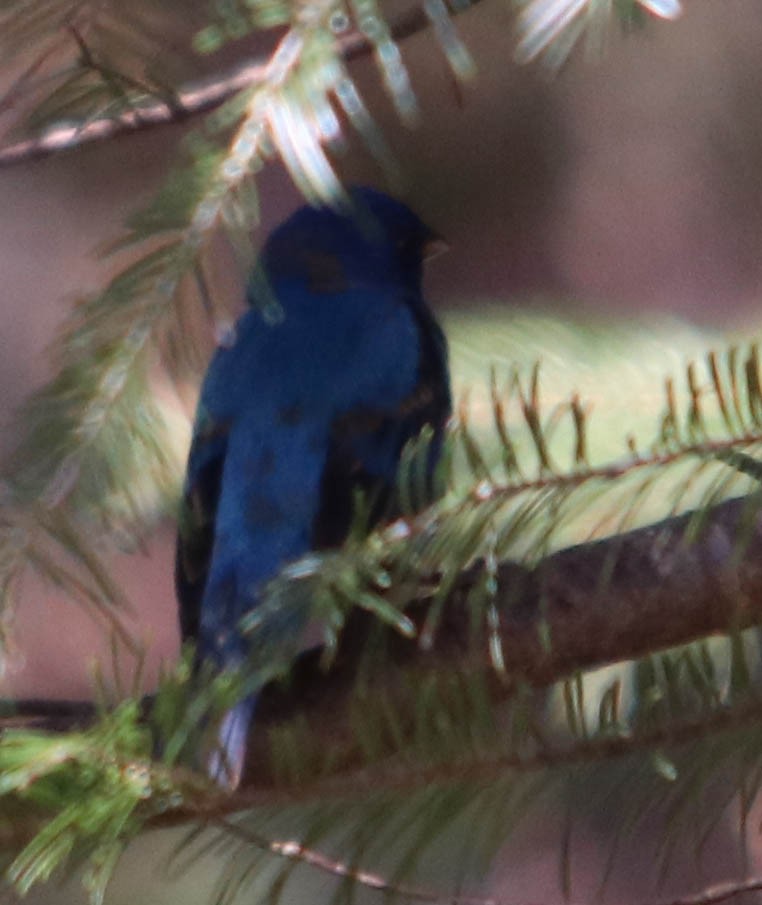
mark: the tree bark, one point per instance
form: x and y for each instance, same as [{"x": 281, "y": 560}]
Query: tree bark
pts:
[{"x": 611, "y": 600}]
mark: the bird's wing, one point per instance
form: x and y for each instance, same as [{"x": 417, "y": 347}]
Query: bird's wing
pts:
[
  {"x": 365, "y": 444},
  {"x": 198, "y": 510}
]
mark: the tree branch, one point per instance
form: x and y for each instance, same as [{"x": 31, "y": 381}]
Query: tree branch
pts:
[
  {"x": 612, "y": 600},
  {"x": 201, "y": 97}
]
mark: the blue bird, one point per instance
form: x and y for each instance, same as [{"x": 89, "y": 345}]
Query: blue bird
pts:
[{"x": 300, "y": 412}]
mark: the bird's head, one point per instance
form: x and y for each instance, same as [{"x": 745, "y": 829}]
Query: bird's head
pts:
[{"x": 372, "y": 239}]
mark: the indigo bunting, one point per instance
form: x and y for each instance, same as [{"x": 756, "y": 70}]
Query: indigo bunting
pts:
[{"x": 300, "y": 411}]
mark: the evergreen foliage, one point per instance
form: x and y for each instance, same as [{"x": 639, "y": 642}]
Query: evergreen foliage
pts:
[{"x": 430, "y": 706}]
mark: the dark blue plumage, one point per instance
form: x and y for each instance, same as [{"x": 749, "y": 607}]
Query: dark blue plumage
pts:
[{"x": 300, "y": 411}]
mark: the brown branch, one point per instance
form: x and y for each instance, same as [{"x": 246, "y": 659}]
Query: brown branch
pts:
[
  {"x": 619, "y": 598},
  {"x": 611, "y": 600},
  {"x": 668, "y": 737},
  {"x": 200, "y": 98},
  {"x": 197, "y": 99},
  {"x": 607, "y": 601},
  {"x": 296, "y": 851}
]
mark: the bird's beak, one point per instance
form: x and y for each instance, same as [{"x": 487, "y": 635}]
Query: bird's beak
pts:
[{"x": 434, "y": 246}]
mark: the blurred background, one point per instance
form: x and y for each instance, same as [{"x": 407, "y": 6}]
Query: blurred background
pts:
[{"x": 623, "y": 192}]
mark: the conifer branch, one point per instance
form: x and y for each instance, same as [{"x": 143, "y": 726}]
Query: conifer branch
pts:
[
  {"x": 612, "y": 600},
  {"x": 662, "y": 585},
  {"x": 277, "y": 708},
  {"x": 608, "y": 601},
  {"x": 548, "y": 28},
  {"x": 194, "y": 100},
  {"x": 294, "y": 850},
  {"x": 615, "y": 599}
]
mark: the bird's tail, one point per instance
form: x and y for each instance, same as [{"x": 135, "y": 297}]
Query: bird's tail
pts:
[{"x": 226, "y": 762}]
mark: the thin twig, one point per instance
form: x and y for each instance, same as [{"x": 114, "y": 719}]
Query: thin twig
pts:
[
  {"x": 294, "y": 850},
  {"x": 720, "y": 892},
  {"x": 201, "y": 97}
]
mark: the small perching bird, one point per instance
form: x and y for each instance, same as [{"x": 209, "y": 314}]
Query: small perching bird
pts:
[{"x": 302, "y": 410}]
